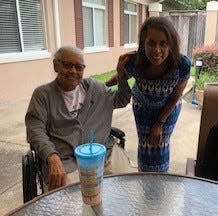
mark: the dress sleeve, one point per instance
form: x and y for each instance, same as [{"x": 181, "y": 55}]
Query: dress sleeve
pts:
[{"x": 184, "y": 69}]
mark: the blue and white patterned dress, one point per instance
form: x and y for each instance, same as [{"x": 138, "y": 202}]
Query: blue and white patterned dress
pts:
[{"x": 149, "y": 98}]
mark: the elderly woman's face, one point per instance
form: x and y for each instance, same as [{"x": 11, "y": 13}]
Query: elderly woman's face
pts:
[
  {"x": 70, "y": 68},
  {"x": 156, "y": 46}
]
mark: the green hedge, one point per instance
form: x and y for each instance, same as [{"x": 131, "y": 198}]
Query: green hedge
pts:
[
  {"x": 205, "y": 77},
  {"x": 209, "y": 55}
]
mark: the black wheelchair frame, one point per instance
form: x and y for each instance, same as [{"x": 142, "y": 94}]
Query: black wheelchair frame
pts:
[
  {"x": 31, "y": 176},
  {"x": 32, "y": 172}
]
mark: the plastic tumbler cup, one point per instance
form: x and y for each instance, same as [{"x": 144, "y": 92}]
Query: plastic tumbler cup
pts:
[{"x": 90, "y": 161}]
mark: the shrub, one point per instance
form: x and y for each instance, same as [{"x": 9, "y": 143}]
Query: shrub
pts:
[
  {"x": 205, "y": 77},
  {"x": 209, "y": 55}
]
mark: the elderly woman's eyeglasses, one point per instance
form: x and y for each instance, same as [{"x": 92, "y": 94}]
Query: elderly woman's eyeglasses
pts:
[{"x": 70, "y": 65}]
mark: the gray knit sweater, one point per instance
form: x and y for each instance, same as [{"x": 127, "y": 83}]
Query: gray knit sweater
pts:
[{"x": 50, "y": 127}]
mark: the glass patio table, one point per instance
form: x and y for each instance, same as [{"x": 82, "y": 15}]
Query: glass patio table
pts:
[{"x": 132, "y": 194}]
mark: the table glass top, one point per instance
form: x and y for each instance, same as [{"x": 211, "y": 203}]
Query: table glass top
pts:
[{"x": 138, "y": 194}]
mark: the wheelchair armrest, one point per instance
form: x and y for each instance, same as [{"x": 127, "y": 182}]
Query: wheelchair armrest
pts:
[
  {"x": 117, "y": 133},
  {"x": 190, "y": 167}
]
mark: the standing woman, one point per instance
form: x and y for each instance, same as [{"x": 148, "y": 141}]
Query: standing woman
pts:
[{"x": 161, "y": 74}]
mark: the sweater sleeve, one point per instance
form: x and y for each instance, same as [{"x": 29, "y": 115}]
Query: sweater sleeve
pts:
[
  {"x": 114, "y": 98},
  {"x": 36, "y": 121}
]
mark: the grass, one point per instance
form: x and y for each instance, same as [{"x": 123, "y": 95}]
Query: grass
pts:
[
  {"x": 205, "y": 78},
  {"x": 107, "y": 75},
  {"x": 104, "y": 76},
  {"x": 192, "y": 71}
]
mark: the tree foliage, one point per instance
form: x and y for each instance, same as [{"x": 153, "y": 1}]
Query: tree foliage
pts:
[{"x": 194, "y": 4}]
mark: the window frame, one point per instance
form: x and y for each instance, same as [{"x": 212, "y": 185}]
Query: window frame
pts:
[
  {"x": 93, "y": 49},
  {"x": 26, "y": 55},
  {"x": 130, "y": 13}
]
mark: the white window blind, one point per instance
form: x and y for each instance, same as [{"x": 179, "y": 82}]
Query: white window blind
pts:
[
  {"x": 94, "y": 23},
  {"x": 21, "y": 26},
  {"x": 88, "y": 27},
  {"x": 9, "y": 32},
  {"x": 32, "y": 23},
  {"x": 126, "y": 29},
  {"x": 98, "y": 2},
  {"x": 129, "y": 7},
  {"x": 99, "y": 27},
  {"x": 133, "y": 29},
  {"x": 130, "y": 14}
]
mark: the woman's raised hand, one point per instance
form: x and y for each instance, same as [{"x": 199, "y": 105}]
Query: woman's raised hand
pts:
[{"x": 121, "y": 63}]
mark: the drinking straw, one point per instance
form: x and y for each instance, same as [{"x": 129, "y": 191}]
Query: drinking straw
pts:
[{"x": 91, "y": 139}]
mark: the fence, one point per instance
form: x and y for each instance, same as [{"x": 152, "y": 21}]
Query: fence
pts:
[{"x": 190, "y": 26}]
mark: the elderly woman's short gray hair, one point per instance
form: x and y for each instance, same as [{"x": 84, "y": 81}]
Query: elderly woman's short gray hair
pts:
[{"x": 72, "y": 49}]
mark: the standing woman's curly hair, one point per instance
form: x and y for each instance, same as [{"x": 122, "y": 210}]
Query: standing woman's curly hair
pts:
[{"x": 164, "y": 25}]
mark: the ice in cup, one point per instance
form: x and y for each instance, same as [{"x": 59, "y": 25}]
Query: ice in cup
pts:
[{"x": 90, "y": 160}]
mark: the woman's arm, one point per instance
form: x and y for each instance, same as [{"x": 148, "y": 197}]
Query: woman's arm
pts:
[
  {"x": 120, "y": 69},
  {"x": 174, "y": 97},
  {"x": 112, "y": 81},
  {"x": 156, "y": 130},
  {"x": 123, "y": 94}
]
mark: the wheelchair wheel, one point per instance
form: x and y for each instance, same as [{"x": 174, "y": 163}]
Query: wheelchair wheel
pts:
[{"x": 29, "y": 177}]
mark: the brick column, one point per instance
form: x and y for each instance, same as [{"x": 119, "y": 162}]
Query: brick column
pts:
[
  {"x": 121, "y": 22},
  {"x": 154, "y": 9},
  {"x": 79, "y": 23}
]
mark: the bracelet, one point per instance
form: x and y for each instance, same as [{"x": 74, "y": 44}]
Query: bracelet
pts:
[{"x": 161, "y": 122}]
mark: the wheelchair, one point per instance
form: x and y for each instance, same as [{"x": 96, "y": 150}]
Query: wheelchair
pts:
[{"x": 32, "y": 173}]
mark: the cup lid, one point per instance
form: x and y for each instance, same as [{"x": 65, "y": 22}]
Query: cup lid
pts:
[{"x": 90, "y": 150}]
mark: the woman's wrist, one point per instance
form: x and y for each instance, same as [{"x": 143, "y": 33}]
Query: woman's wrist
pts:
[
  {"x": 160, "y": 122},
  {"x": 107, "y": 83}
]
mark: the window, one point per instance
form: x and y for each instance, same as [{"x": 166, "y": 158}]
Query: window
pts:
[
  {"x": 22, "y": 26},
  {"x": 94, "y": 23},
  {"x": 130, "y": 25}
]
